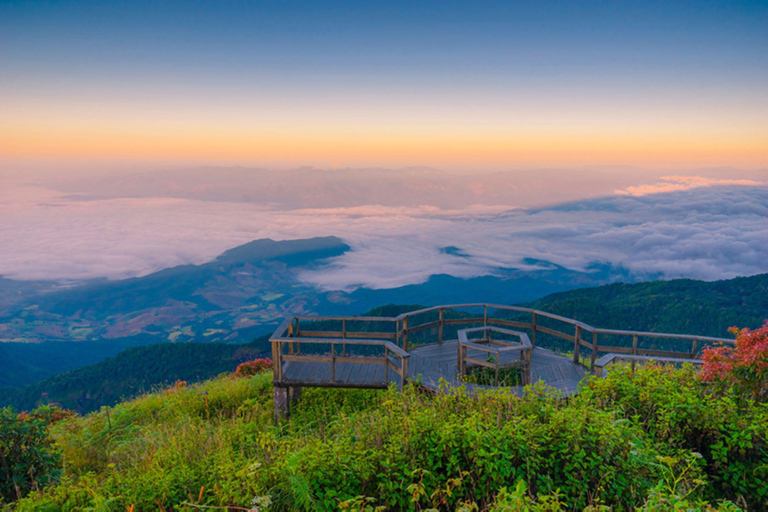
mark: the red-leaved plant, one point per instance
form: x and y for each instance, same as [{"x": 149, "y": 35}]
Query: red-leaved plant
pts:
[
  {"x": 744, "y": 366},
  {"x": 252, "y": 367}
]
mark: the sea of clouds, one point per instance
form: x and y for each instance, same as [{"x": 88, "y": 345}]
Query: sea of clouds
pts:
[{"x": 679, "y": 227}]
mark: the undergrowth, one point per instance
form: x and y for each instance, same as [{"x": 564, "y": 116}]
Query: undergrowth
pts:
[{"x": 658, "y": 439}]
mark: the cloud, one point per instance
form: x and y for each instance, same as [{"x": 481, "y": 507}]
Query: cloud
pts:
[
  {"x": 705, "y": 232},
  {"x": 679, "y": 183}
]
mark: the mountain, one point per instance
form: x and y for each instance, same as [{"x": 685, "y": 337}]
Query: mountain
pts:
[
  {"x": 247, "y": 286},
  {"x": 681, "y": 306},
  {"x": 240, "y": 295}
]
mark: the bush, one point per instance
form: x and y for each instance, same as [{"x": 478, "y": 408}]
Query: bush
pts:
[
  {"x": 28, "y": 461},
  {"x": 744, "y": 367},
  {"x": 251, "y": 368},
  {"x": 656, "y": 439}
]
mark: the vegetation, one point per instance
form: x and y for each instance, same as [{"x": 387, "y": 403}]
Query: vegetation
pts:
[
  {"x": 134, "y": 371},
  {"x": 27, "y": 460},
  {"x": 682, "y": 306},
  {"x": 744, "y": 367},
  {"x": 510, "y": 376},
  {"x": 657, "y": 439}
]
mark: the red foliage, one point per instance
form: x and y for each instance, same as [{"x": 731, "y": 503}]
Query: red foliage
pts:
[
  {"x": 743, "y": 366},
  {"x": 252, "y": 367},
  {"x": 48, "y": 414}
]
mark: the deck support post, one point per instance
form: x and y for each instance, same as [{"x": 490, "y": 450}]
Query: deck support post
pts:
[
  {"x": 282, "y": 402},
  {"x": 285, "y": 398}
]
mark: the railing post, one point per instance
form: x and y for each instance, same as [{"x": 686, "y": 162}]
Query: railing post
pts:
[
  {"x": 485, "y": 315},
  {"x": 533, "y": 330},
  {"x": 594, "y": 351},
  {"x": 405, "y": 333},
  {"x": 290, "y": 335},
  {"x": 440, "y": 329},
  {"x": 576, "y": 344},
  {"x": 344, "y": 337},
  {"x": 296, "y": 334},
  {"x": 386, "y": 365},
  {"x": 403, "y": 372},
  {"x": 333, "y": 363},
  {"x": 693, "y": 350},
  {"x": 634, "y": 345}
]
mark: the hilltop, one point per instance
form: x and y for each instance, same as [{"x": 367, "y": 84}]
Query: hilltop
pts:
[{"x": 657, "y": 440}]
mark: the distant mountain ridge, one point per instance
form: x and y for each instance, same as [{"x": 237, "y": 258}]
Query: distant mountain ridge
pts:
[{"x": 239, "y": 295}]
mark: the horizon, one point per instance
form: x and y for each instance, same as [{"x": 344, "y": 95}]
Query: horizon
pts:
[{"x": 455, "y": 85}]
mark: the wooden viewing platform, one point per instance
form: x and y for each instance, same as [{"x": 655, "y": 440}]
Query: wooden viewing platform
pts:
[{"x": 433, "y": 348}]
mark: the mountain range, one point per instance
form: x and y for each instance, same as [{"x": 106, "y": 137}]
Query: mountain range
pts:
[
  {"x": 679, "y": 306},
  {"x": 49, "y": 327}
]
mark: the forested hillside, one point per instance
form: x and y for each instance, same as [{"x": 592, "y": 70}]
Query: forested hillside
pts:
[
  {"x": 132, "y": 372},
  {"x": 682, "y": 306}
]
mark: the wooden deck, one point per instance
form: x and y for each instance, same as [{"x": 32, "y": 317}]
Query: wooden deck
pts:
[
  {"x": 429, "y": 364},
  {"x": 375, "y": 352}
]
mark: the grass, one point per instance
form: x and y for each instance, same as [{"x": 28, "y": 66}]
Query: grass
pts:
[{"x": 654, "y": 440}]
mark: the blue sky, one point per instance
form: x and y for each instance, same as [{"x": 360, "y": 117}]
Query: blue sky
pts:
[{"x": 677, "y": 82}]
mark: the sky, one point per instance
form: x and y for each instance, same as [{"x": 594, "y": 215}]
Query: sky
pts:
[
  {"x": 463, "y": 86},
  {"x": 137, "y": 135}
]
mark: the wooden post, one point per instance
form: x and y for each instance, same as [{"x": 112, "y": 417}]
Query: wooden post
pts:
[
  {"x": 344, "y": 337},
  {"x": 634, "y": 346},
  {"x": 290, "y": 335},
  {"x": 296, "y": 334},
  {"x": 404, "y": 372},
  {"x": 577, "y": 344},
  {"x": 333, "y": 364},
  {"x": 386, "y": 365},
  {"x": 275, "y": 361},
  {"x": 278, "y": 361},
  {"x": 440, "y": 329},
  {"x": 405, "y": 333},
  {"x": 594, "y": 351},
  {"x": 485, "y": 315},
  {"x": 693, "y": 350},
  {"x": 497, "y": 370},
  {"x": 533, "y": 330}
]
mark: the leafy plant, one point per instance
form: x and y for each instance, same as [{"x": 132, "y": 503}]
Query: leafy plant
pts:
[
  {"x": 251, "y": 368},
  {"x": 743, "y": 367},
  {"x": 28, "y": 461}
]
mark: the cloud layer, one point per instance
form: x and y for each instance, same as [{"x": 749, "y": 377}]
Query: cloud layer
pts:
[
  {"x": 709, "y": 232},
  {"x": 679, "y": 183}
]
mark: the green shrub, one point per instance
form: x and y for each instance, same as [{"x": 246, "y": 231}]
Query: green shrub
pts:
[
  {"x": 28, "y": 462},
  {"x": 654, "y": 440}
]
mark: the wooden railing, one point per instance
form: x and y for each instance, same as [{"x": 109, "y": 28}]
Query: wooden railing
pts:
[
  {"x": 400, "y": 334},
  {"x": 495, "y": 347},
  {"x": 582, "y": 335},
  {"x": 288, "y": 340}
]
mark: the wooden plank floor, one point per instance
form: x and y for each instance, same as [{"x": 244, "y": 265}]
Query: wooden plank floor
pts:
[{"x": 429, "y": 364}]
